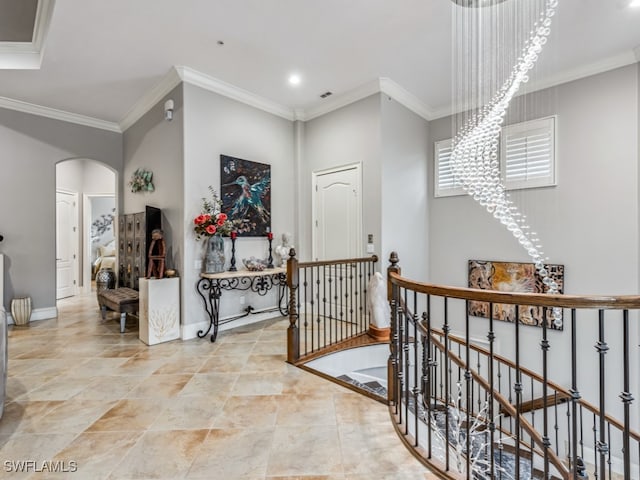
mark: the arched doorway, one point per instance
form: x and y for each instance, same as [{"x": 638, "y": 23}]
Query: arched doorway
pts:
[{"x": 86, "y": 212}]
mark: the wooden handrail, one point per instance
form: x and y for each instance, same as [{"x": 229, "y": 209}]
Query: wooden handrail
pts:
[
  {"x": 618, "y": 302},
  {"x": 563, "y": 392},
  {"x": 322, "y": 263}
]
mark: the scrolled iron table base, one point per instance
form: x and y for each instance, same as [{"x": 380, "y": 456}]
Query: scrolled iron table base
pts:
[{"x": 211, "y": 285}]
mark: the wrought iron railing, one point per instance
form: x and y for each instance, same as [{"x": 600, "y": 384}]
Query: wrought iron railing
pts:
[
  {"x": 327, "y": 304},
  {"x": 558, "y": 405}
]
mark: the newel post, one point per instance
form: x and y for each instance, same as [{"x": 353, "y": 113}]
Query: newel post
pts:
[
  {"x": 392, "y": 363},
  {"x": 293, "y": 334}
]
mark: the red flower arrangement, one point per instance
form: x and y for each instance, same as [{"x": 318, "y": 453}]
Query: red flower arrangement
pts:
[{"x": 211, "y": 220}]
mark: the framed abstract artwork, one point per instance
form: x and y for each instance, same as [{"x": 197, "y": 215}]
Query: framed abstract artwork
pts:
[
  {"x": 245, "y": 192},
  {"x": 513, "y": 277}
]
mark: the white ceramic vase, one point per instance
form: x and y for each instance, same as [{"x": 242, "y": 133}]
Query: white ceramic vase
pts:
[{"x": 21, "y": 310}]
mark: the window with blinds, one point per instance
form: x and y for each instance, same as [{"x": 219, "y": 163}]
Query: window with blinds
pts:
[
  {"x": 445, "y": 184},
  {"x": 528, "y": 154},
  {"x": 527, "y": 158}
]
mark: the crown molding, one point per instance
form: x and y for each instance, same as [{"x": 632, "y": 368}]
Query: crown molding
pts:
[
  {"x": 405, "y": 98},
  {"x": 28, "y": 55},
  {"x": 56, "y": 114},
  {"x": 566, "y": 76},
  {"x": 193, "y": 77},
  {"x": 339, "y": 101},
  {"x": 611, "y": 63},
  {"x": 150, "y": 98}
]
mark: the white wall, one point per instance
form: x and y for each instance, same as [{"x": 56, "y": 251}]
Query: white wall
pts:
[{"x": 215, "y": 125}]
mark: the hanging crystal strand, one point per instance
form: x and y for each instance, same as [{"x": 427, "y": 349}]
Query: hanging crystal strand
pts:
[{"x": 475, "y": 148}]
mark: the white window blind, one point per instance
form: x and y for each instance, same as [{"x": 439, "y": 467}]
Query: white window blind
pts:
[
  {"x": 445, "y": 184},
  {"x": 528, "y": 154}
]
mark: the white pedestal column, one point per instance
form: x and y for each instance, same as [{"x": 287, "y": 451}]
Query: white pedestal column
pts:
[{"x": 159, "y": 313}]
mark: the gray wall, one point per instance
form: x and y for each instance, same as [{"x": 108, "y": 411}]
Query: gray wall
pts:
[
  {"x": 349, "y": 135},
  {"x": 216, "y": 125},
  {"x": 156, "y": 144},
  {"x": 31, "y": 147},
  {"x": 404, "y": 196},
  {"x": 588, "y": 222}
]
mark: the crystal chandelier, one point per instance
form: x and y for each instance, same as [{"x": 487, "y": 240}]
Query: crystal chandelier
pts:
[{"x": 475, "y": 147}]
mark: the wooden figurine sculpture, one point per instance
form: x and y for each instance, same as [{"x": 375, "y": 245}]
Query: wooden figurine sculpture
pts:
[{"x": 157, "y": 254}]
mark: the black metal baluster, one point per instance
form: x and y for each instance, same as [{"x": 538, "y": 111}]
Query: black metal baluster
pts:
[
  {"x": 510, "y": 397},
  {"x": 609, "y": 452},
  {"x": 492, "y": 425},
  {"x": 602, "y": 349},
  {"x": 341, "y": 305},
  {"x": 393, "y": 356},
  {"x": 556, "y": 426},
  {"x": 545, "y": 406},
  {"x": 316, "y": 297},
  {"x": 430, "y": 373},
  {"x": 595, "y": 450},
  {"x": 425, "y": 384},
  {"x": 446, "y": 329},
  {"x": 626, "y": 395},
  {"x": 401, "y": 357},
  {"x": 305, "y": 314},
  {"x": 479, "y": 367},
  {"x": 312, "y": 306},
  {"x": 469, "y": 387},
  {"x": 581, "y": 433},
  {"x": 349, "y": 297},
  {"x": 332, "y": 333},
  {"x": 575, "y": 396},
  {"x": 362, "y": 314},
  {"x": 517, "y": 388},
  {"x": 533, "y": 424},
  {"x": 416, "y": 388},
  {"x": 407, "y": 376},
  {"x": 570, "y": 437},
  {"x": 324, "y": 306}
]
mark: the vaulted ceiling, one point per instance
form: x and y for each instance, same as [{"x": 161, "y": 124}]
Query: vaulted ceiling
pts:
[{"x": 101, "y": 57}]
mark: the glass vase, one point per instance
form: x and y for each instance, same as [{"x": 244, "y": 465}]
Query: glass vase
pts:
[{"x": 214, "y": 255}]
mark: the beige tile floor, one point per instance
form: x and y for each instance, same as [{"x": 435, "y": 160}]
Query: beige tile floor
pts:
[{"x": 79, "y": 391}]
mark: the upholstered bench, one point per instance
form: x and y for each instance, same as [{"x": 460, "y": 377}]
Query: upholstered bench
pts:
[{"x": 122, "y": 300}]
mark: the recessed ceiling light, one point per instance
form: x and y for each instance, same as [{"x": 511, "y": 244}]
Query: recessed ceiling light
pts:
[
  {"x": 295, "y": 79},
  {"x": 634, "y": 3}
]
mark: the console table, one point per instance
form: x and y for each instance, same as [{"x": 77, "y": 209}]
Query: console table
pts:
[{"x": 211, "y": 285}]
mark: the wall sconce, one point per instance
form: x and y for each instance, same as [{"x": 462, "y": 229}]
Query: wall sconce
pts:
[{"x": 168, "y": 110}]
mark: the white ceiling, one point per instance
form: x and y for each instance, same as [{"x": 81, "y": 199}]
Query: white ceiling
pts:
[{"x": 101, "y": 57}]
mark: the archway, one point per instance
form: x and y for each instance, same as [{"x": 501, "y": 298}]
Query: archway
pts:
[{"x": 87, "y": 230}]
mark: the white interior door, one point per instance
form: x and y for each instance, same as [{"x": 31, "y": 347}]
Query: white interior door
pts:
[
  {"x": 66, "y": 243},
  {"x": 337, "y": 221}
]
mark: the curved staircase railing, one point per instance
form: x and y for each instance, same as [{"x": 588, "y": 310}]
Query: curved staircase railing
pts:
[
  {"x": 327, "y": 305},
  {"x": 481, "y": 398}
]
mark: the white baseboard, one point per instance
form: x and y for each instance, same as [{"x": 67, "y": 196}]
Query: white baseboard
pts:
[
  {"x": 191, "y": 330},
  {"x": 38, "y": 314}
]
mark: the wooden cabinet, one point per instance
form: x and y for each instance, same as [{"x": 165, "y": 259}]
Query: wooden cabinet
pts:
[{"x": 134, "y": 235}]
